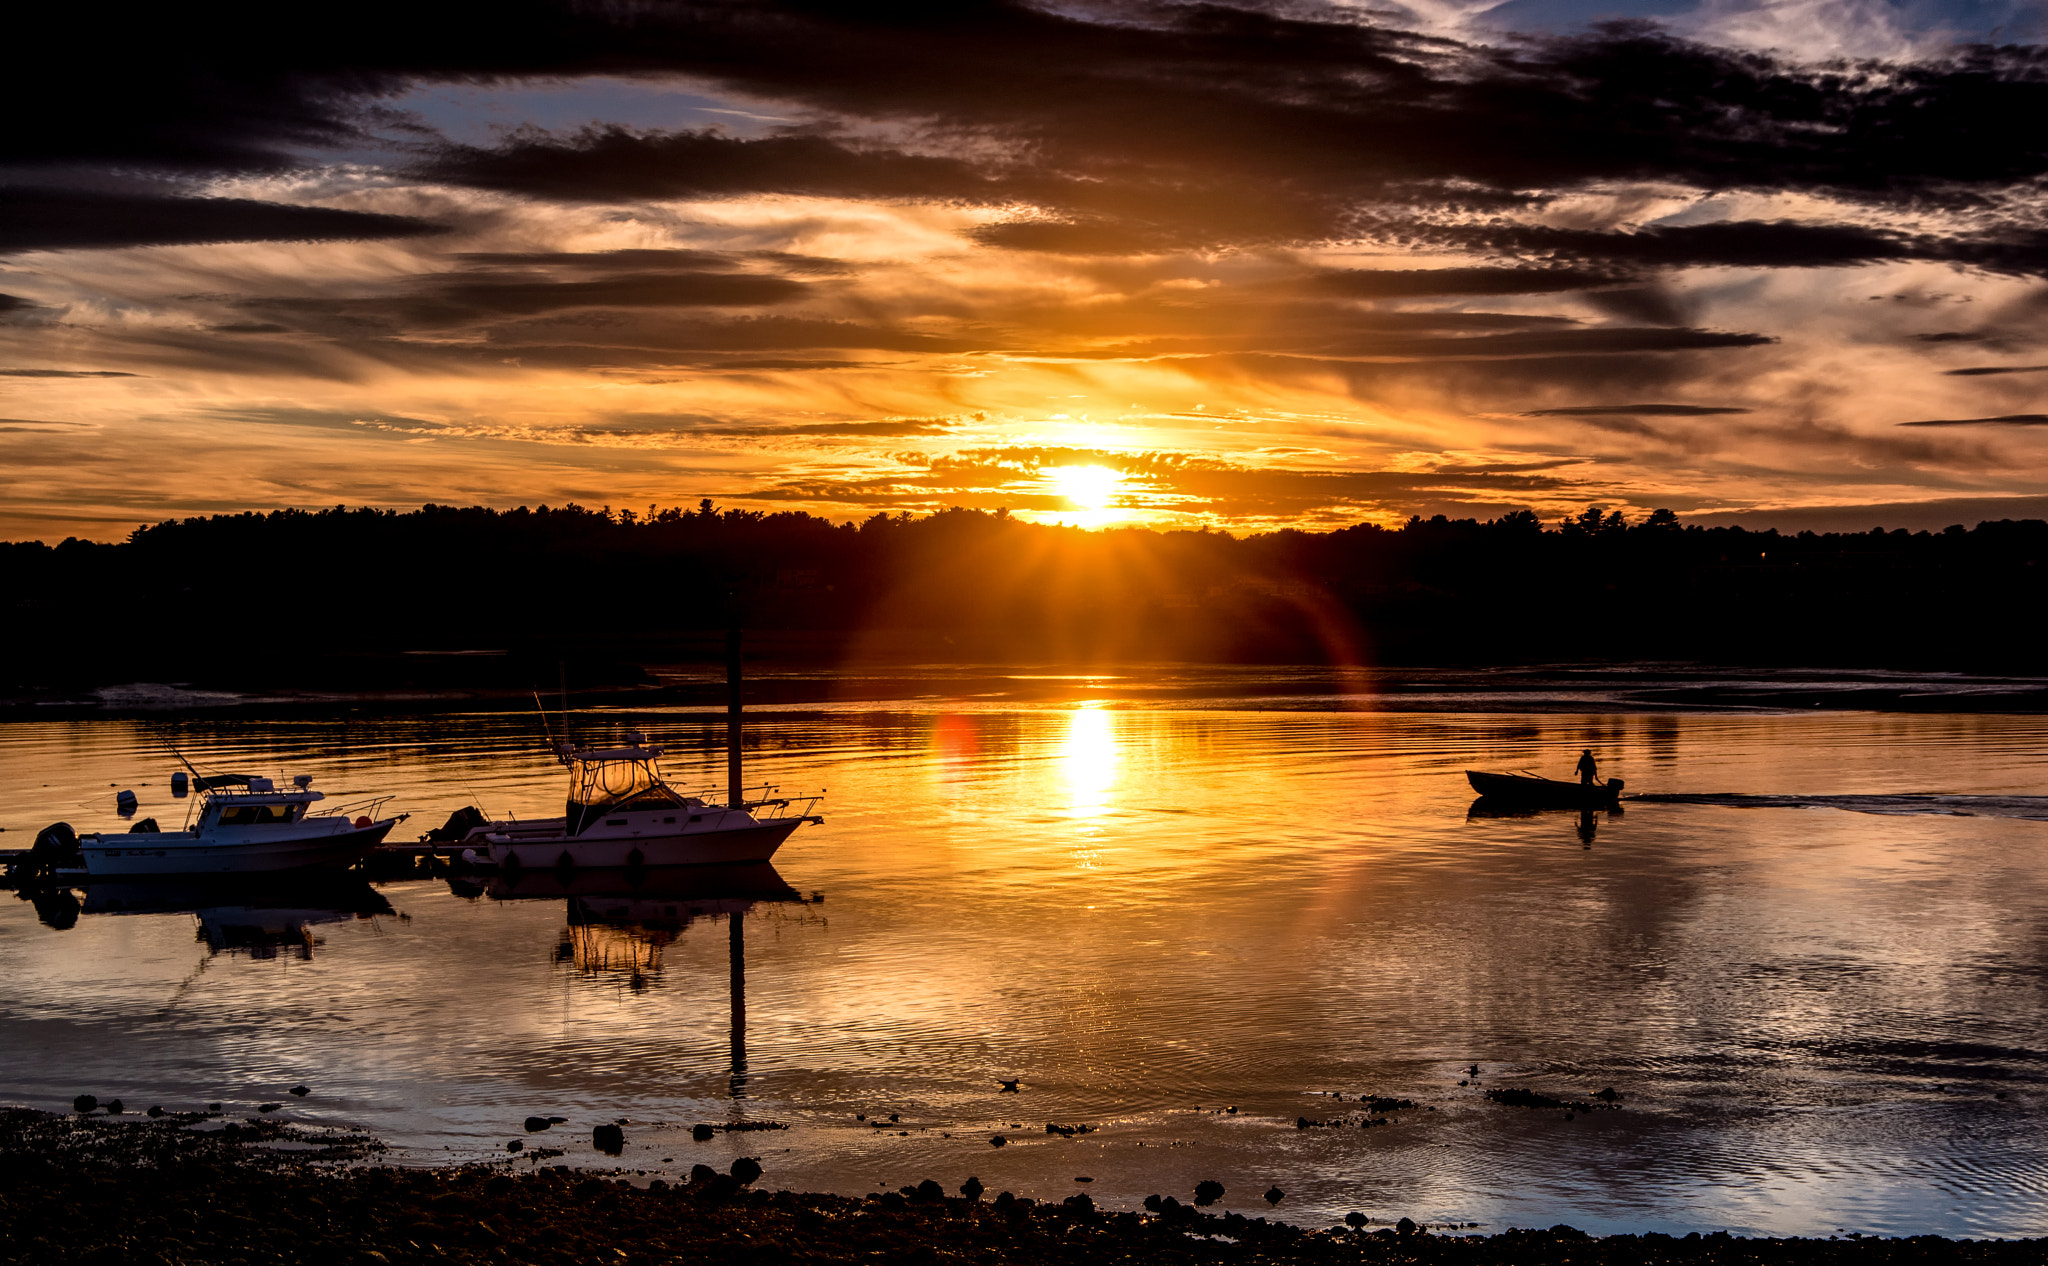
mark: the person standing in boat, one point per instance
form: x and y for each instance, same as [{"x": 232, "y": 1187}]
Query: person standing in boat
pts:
[{"x": 1589, "y": 770}]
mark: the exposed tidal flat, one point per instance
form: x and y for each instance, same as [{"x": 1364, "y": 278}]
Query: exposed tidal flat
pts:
[
  {"x": 179, "y": 1190},
  {"x": 1264, "y": 947}
]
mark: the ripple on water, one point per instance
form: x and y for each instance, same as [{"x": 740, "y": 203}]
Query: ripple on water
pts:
[{"x": 1149, "y": 916}]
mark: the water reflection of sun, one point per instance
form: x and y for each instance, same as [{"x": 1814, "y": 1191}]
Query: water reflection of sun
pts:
[{"x": 1089, "y": 756}]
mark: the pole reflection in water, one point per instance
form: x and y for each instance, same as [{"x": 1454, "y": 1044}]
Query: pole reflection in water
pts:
[
  {"x": 620, "y": 921},
  {"x": 737, "y": 951}
]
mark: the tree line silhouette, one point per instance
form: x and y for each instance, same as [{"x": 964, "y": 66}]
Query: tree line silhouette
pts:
[{"x": 468, "y": 596}]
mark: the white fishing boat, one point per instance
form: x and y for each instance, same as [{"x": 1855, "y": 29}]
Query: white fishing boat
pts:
[
  {"x": 244, "y": 826},
  {"x": 622, "y": 813}
]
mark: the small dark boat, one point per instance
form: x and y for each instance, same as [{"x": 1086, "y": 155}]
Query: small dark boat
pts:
[{"x": 1544, "y": 793}]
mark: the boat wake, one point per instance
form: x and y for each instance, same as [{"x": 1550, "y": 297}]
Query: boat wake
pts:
[{"x": 2030, "y": 808}]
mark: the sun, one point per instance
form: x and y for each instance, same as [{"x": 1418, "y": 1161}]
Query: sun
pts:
[{"x": 1087, "y": 487}]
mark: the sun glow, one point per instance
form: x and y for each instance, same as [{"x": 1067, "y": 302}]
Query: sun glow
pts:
[{"x": 1086, "y": 487}]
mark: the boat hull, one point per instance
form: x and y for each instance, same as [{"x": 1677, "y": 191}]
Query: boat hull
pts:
[
  {"x": 753, "y": 843},
  {"x": 251, "y": 853},
  {"x": 1543, "y": 793}
]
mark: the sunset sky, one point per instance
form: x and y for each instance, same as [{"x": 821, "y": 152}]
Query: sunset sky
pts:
[{"x": 1242, "y": 265}]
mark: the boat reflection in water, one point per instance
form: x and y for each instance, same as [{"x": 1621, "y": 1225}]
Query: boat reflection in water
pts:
[
  {"x": 258, "y": 916},
  {"x": 621, "y": 920},
  {"x": 1493, "y": 807}
]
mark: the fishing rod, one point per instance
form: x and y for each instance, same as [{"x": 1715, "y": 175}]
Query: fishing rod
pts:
[{"x": 198, "y": 779}]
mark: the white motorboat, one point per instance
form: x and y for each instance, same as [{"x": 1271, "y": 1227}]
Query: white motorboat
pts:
[
  {"x": 245, "y": 826},
  {"x": 621, "y": 813}
]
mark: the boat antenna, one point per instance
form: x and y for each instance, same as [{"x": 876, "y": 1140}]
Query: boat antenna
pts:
[
  {"x": 735, "y": 791},
  {"x": 542, "y": 709},
  {"x": 562, "y": 679}
]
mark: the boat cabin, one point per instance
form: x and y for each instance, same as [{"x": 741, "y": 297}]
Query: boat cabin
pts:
[
  {"x": 611, "y": 780},
  {"x": 238, "y": 801}
]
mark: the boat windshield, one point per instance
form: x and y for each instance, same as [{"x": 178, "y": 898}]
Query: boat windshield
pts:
[
  {"x": 614, "y": 781},
  {"x": 258, "y": 814}
]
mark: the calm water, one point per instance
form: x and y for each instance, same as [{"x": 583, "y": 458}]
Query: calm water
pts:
[{"x": 1821, "y": 1016}]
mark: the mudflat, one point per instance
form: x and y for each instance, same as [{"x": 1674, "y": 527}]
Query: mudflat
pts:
[{"x": 190, "y": 1187}]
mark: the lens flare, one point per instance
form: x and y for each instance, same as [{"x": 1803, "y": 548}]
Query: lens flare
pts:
[{"x": 1087, "y": 487}]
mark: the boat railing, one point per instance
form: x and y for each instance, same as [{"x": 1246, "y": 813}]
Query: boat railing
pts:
[
  {"x": 755, "y": 799},
  {"x": 371, "y": 808}
]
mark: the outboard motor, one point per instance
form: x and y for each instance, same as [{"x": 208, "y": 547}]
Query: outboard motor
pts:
[
  {"x": 147, "y": 825},
  {"x": 1615, "y": 785},
  {"x": 460, "y": 823},
  {"x": 56, "y": 848}
]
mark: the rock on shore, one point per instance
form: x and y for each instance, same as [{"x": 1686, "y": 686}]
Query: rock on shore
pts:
[{"x": 173, "y": 1191}]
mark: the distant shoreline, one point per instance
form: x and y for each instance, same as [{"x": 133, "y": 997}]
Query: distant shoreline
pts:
[
  {"x": 771, "y": 688},
  {"x": 77, "y": 1187},
  {"x": 482, "y": 603}
]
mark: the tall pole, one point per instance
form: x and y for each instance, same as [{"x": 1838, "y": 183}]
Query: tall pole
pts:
[{"x": 733, "y": 780}]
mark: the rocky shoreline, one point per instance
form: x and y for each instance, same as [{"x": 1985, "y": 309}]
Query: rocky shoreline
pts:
[{"x": 182, "y": 1188}]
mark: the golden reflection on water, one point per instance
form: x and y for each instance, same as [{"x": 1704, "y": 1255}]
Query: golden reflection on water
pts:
[
  {"x": 1089, "y": 759},
  {"x": 1141, "y": 911}
]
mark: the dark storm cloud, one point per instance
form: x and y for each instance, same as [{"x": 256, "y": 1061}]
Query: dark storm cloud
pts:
[
  {"x": 442, "y": 301},
  {"x": 2010, "y": 419},
  {"x": 753, "y": 334},
  {"x": 1987, "y": 370},
  {"x": 653, "y": 260},
  {"x": 1168, "y": 130},
  {"x": 508, "y": 296},
  {"x": 1283, "y": 94},
  {"x": 1737, "y": 244},
  {"x": 609, "y": 164},
  {"x": 1404, "y": 283},
  {"x": 1242, "y": 314},
  {"x": 60, "y": 219},
  {"x": 1145, "y": 129},
  {"x": 1134, "y": 125},
  {"x": 15, "y": 303},
  {"x": 653, "y": 342},
  {"x": 1635, "y": 410},
  {"x": 1544, "y": 343},
  {"x": 64, "y": 373}
]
